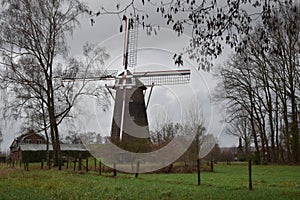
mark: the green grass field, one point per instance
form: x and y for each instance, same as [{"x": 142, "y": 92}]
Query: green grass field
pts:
[{"x": 227, "y": 182}]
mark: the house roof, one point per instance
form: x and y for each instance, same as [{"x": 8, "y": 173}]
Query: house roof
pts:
[
  {"x": 18, "y": 140},
  {"x": 42, "y": 147}
]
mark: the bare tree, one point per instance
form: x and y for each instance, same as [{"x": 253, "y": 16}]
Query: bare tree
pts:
[
  {"x": 261, "y": 82},
  {"x": 33, "y": 35},
  {"x": 195, "y": 123},
  {"x": 165, "y": 133},
  {"x": 240, "y": 126},
  {"x": 212, "y": 24},
  {"x": 1, "y": 137},
  {"x": 72, "y": 138}
]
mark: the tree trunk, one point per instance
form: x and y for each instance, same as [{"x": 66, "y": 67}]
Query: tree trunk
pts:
[
  {"x": 54, "y": 127},
  {"x": 253, "y": 132},
  {"x": 294, "y": 126},
  {"x": 46, "y": 134},
  {"x": 272, "y": 133},
  {"x": 287, "y": 133},
  {"x": 277, "y": 152}
]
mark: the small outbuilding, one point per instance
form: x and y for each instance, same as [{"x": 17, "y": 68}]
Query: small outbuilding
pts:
[
  {"x": 32, "y": 147},
  {"x": 25, "y": 139},
  {"x": 37, "y": 152}
]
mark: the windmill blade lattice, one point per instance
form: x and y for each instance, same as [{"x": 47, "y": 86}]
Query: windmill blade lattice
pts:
[
  {"x": 89, "y": 75},
  {"x": 132, "y": 42},
  {"x": 171, "y": 77}
]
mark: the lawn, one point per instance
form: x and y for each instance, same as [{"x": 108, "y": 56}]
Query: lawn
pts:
[{"x": 226, "y": 182}]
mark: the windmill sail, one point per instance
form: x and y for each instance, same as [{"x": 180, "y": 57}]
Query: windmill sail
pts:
[
  {"x": 159, "y": 78},
  {"x": 72, "y": 75},
  {"x": 130, "y": 45}
]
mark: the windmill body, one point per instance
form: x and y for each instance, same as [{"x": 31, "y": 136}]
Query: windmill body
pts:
[{"x": 130, "y": 130}]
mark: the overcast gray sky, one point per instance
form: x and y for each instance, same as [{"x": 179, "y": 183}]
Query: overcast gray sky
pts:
[{"x": 154, "y": 53}]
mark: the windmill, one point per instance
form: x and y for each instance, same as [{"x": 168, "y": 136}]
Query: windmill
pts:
[{"x": 130, "y": 130}]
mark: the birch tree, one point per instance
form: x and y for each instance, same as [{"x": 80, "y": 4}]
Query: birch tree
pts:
[{"x": 33, "y": 35}]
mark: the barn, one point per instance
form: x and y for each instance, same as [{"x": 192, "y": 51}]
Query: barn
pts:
[
  {"x": 25, "y": 139},
  {"x": 32, "y": 147}
]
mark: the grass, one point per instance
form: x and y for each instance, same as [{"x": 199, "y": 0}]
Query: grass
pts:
[{"x": 227, "y": 182}]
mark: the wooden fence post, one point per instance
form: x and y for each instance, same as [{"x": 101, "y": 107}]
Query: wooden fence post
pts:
[
  {"x": 115, "y": 170},
  {"x": 49, "y": 164},
  {"x": 42, "y": 164},
  {"x": 26, "y": 165},
  {"x": 79, "y": 163},
  {"x": 87, "y": 164},
  {"x": 137, "y": 169},
  {"x": 75, "y": 164},
  {"x": 100, "y": 168},
  {"x": 198, "y": 170},
  {"x": 250, "y": 174}
]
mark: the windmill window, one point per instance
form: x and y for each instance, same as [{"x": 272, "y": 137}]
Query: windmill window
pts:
[
  {"x": 119, "y": 81},
  {"x": 129, "y": 81},
  {"x": 28, "y": 141}
]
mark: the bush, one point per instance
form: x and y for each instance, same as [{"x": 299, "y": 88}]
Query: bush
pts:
[
  {"x": 241, "y": 157},
  {"x": 256, "y": 158}
]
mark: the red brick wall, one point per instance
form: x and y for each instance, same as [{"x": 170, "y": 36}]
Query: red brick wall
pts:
[
  {"x": 17, "y": 154},
  {"x": 34, "y": 139}
]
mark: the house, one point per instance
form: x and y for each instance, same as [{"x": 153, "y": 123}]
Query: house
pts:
[
  {"x": 28, "y": 138},
  {"x": 32, "y": 147}
]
